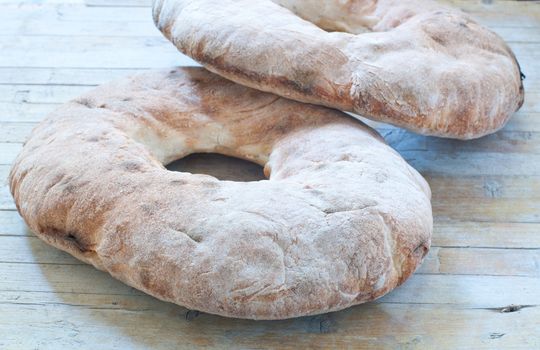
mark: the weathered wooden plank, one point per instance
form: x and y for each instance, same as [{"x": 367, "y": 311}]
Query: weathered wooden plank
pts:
[
  {"x": 498, "y": 210},
  {"x": 520, "y": 121},
  {"x": 107, "y": 52},
  {"x": 486, "y": 234},
  {"x": 461, "y": 261},
  {"x": 484, "y": 187},
  {"x": 31, "y": 250},
  {"x": 495, "y": 199},
  {"x": 135, "y": 302},
  {"x": 29, "y": 103},
  {"x": 509, "y": 9},
  {"x": 503, "y": 141},
  {"x": 132, "y": 21},
  {"x": 446, "y": 233},
  {"x": 76, "y": 21},
  {"x": 467, "y": 290},
  {"x": 520, "y": 14},
  {"x": 376, "y": 325},
  {"x": 63, "y": 93},
  {"x": 6, "y": 202},
  {"x": 471, "y": 198},
  {"x": 15, "y": 132},
  {"x": 483, "y": 209},
  {"x": 95, "y": 76},
  {"x": 523, "y": 121},
  {"x": 62, "y": 76},
  {"x": 491, "y": 210},
  {"x": 511, "y": 32},
  {"x": 472, "y": 163},
  {"x": 60, "y": 278},
  {"x": 119, "y": 3},
  {"x": 126, "y": 52},
  {"x": 70, "y": 12},
  {"x": 41, "y": 93},
  {"x": 8, "y": 152},
  {"x": 11, "y": 224},
  {"x": 14, "y": 112},
  {"x": 509, "y": 13},
  {"x": 471, "y": 261},
  {"x": 4, "y": 171},
  {"x": 38, "y": 2},
  {"x": 464, "y": 290}
]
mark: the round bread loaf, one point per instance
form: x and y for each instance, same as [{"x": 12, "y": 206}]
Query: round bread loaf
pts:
[
  {"x": 415, "y": 64},
  {"x": 341, "y": 219}
]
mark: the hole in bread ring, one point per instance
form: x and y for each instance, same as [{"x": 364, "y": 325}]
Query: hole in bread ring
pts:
[
  {"x": 333, "y": 225},
  {"x": 219, "y": 166},
  {"x": 415, "y": 64}
]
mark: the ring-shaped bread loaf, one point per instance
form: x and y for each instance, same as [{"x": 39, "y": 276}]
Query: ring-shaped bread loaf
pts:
[
  {"x": 341, "y": 219},
  {"x": 415, "y": 64}
]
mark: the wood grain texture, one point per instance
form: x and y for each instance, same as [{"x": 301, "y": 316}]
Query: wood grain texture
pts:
[{"x": 486, "y": 200}]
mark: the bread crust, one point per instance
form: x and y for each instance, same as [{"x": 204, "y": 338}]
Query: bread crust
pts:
[
  {"x": 415, "y": 64},
  {"x": 341, "y": 220}
]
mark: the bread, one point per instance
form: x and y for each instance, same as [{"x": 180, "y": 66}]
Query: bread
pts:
[
  {"x": 415, "y": 64},
  {"x": 341, "y": 220}
]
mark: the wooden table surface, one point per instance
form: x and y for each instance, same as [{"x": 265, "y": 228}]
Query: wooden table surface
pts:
[{"x": 478, "y": 288}]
